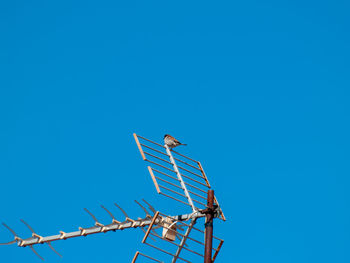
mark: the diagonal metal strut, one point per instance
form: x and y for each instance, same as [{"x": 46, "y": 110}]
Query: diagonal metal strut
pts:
[{"x": 179, "y": 176}]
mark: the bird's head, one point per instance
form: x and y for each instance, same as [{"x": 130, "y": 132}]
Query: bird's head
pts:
[{"x": 166, "y": 135}]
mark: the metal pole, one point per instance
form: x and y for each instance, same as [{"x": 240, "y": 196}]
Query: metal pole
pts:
[{"x": 209, "y": 227}]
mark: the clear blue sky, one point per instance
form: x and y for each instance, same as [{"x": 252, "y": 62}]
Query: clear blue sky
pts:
[{"x": 259, "y": 90}]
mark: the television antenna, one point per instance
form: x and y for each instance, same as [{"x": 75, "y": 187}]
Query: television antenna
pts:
[{"x": 175, "y": 176}]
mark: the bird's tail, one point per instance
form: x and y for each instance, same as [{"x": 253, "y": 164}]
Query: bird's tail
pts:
[{"x": 183, "y": 144}]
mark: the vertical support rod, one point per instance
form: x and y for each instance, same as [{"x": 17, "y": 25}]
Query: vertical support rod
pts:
[
  {"x": 209, "y": 218},
  {"x": 183, "y": 241},
  {"x": 183, "y": 186}
]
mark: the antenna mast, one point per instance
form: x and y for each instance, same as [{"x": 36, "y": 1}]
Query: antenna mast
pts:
[{"x": 175, "y": 176}]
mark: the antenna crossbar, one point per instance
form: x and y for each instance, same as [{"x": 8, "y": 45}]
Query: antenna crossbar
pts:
[
  {"x": 97, "y": 229},
  {"x": 84, "y": 232},
  {"x": 146, "y": 256}
]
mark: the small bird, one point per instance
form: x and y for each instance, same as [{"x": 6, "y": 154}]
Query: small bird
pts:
[{"x": 171, "y": 142}]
